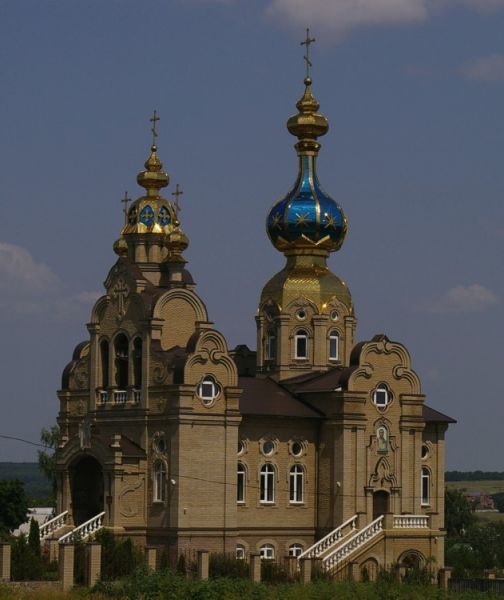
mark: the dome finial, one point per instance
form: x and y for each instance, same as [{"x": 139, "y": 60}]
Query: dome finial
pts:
[
  {"x": 308, "y": 124},
  {"x": 153, "y": 178}
]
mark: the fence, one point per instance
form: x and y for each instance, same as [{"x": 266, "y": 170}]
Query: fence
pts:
[{"x": 477, "y": 585}]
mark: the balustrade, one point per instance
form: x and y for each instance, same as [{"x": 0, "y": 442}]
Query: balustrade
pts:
[
  {"x": 411, "y": 521},
  {"x": 330, "y": 539},
  {"x": 82, "y": 532},
  {"x": 49, "y": 527}
]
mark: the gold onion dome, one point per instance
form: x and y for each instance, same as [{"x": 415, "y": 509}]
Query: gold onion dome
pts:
[
  {"x": 151, "y": 213},
  {"x": 307, "y": 218}
]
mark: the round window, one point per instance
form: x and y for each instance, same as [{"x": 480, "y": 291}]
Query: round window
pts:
[
  {"x": 241, "y": 446},
  {"x": 268, "y": 447},
  {"x": 425, "y": 451},
  {"x": 381, "y": 396},
  {"x": 297, "y": 448},
  {"x": 208, "y": 390},
  {"x": 334, "y": 315},
  {"x": 301, "y": 314}
]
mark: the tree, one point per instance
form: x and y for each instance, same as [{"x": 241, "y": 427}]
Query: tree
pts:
[
  {"x": 13, "y": 505},
  {"x": 459, "y": 513},
  {"x": 34, "y": 538},
  {"x": 46, "y": 460}
]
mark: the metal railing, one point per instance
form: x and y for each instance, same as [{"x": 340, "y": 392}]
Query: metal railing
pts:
[
  {"x": 82, "y": 532},
  {"x": 410, "y": 521},
  {"x": 330, "y": 539},
  {"x": 49, "y": 527},
  {"x": 353, "y": 543}
]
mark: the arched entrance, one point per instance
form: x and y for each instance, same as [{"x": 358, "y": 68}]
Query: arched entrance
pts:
[
  {"x": 381, "y": 503},
  {"x": 87, "y": 489}
]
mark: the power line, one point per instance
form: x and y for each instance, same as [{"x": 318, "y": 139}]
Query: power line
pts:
[{"x": 17, "y": 439}]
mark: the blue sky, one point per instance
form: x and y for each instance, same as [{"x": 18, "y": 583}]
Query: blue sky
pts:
[{"x": 413, "y": 90}]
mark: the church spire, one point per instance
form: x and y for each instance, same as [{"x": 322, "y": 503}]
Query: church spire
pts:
[{"x": 307, "y": 219}]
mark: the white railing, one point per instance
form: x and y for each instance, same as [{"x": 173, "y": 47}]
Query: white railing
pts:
[
  {"x": 330, "y": 539},
  {"x": 410, "y": 522},
  {"x": 137, "y": 396},
  {"x": 102, "y": 396},
  {"x": 352, "y": 543},
  {"x": 49, "y": 527},
  {"x": 82, "y": 532},
  {"x": 120, "y": 396}
]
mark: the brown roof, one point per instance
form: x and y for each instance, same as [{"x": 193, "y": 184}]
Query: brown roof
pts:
[
  {"x": 263, "y": 396},
  {"x": 433, "y": 416}
]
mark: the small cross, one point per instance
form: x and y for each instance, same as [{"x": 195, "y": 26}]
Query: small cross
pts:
[
  {"x": 153, "y": 120},
  {"x": 307, "y": 43},
  {"x": 125, "y": 201},
  {"x": 120, "y": 292},
  {"x": 178, "y": 192}
]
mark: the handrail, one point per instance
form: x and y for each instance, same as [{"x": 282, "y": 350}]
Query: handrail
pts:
[
  {"x": 353, "y": 543},
  {"x": 329, "y": 540},
  {"x": 410, "y": 521},
  {"x": 84, "y": 530},
  {"x": 49, "y": 527}
]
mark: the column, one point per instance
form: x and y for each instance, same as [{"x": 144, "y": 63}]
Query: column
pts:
[
  {"x": 255, "y": 567},
  {"x": 66, "y": 566},
  {"x": 151, "y": 557},
  {"x": 306, "y": 570},
  {"x": 5, "y": 562},
  {"x": 93, "y": 563},
  {"x": 203, "y": 564}
]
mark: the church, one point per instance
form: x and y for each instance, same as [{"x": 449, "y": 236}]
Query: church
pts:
[{"x": 312, "y": 445}]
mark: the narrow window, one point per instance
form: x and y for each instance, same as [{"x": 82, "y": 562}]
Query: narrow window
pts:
[
  {"x": 425, "y": 486},
  {"x": 301, "y": 342},
  {"x": 267, "y": 484},
  {"x": 271, "y": 345},
  {"x": 295, "y": 550},
  {"x": 296, "y": 484},
  {"x": 267, "y": 552},
  {"x": 104, "y": 354},
  {"x": 137, "y": 363},
  {"x": 240, "y": 484},
  {"x": 121, "y": 361},
  {"x": 159, "y": 481},
  {"x": 333, "y": 345}
]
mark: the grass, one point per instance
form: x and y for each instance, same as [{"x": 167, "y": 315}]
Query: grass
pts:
[{"x": 489, "y": 487}]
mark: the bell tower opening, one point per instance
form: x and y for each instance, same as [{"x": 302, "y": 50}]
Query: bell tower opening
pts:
[{"x": 87, "y": 489}]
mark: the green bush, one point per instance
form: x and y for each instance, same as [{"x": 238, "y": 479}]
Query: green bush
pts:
[
  {"x": 119, "y": 556},
  {"x": 226, "y": 565}
]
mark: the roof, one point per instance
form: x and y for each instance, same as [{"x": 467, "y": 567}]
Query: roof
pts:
[
  {"x": 263, "y": 396},
  {"x": 434, "y": 416}
]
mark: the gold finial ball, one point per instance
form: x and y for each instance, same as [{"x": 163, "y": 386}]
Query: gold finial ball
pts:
[
  {"x": 121, "y": 247},
  {"x": 177, "y": 241}
]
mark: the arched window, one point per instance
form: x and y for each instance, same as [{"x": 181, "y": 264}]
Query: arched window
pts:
[
  {"x": 137, "y": 363},
  {"x": 121, "y": 361},
  {"x": 271, "y": 345},
  {"x": 333, "y": 345},
  {"x": 267, "y": 552},
  {"x": 240, "y": 552},
  {"x": 295, "y": 550},
  {"x": 159, "y": 481},
  {"x": 296, "y": 484},
  {"x": 267, "y": 495},
  {"x": 301, "y": 344},
  {"x": 425, "y": 486},
  {"x": 240, "y": 484},
  {"x": 104, "y": 356}
]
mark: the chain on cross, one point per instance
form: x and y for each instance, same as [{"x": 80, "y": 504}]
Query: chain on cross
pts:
[
  {"x": 154, "y": 119},
  {"x": 308, "y": 41}
]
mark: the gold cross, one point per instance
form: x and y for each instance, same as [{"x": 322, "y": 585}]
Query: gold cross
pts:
[
  {"x": 153, "y": 120},
  {"x": 307, "y": 43},
  {"x": 125, "y": 201},
  {"x": 178, "y": 192}
]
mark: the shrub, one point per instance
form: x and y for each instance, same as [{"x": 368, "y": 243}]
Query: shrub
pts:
[
  {"x": 226, "y": 565},
  {"x": 119, "y": 556}
]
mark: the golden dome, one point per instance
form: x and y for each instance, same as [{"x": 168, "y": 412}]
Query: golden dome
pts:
[
  {"x": 121, "y": 247},
  {"x": 151, "y": 213}
]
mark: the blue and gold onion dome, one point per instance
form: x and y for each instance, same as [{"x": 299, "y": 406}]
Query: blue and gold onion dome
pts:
[
  {"x": 307, "y": 218},
  {"x": 151, "y": 213}
]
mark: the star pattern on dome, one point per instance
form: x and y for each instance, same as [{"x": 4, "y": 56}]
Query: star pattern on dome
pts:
[
  {"x": 330, "y": 221},
  {"x": 302, "y": 219},
  {"x": 276, "y": 221}
]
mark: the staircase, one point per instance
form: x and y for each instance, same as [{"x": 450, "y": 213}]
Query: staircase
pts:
[
  {"x": 83, "y": 531},
  {"x": 49, "y": 528},
  {"x": 347, "y": 541}
]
